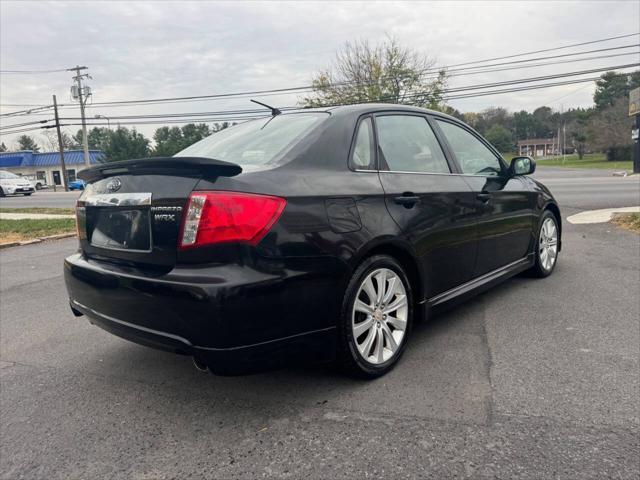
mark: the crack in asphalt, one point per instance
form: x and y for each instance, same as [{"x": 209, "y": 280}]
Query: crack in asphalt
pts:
[{"x": 488, "y": 362}]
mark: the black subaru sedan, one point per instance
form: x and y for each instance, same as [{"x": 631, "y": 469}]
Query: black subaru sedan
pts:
[{"x": 320, "y": 234}]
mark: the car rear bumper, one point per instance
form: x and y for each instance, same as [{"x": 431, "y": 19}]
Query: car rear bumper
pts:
[{"x": 234, "y": 318}]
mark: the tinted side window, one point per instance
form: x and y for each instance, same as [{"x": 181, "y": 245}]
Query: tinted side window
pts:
[
  {"x": 472, "y": 155},
  {"x": 363, "y": 157},
  {"x": 408, "y": 144}
]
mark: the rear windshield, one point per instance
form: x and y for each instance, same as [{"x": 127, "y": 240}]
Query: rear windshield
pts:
[{"x": 255, "y": 144}]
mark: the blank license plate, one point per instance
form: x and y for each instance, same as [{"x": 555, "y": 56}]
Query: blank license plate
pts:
[{"x": 122, "y": 229}]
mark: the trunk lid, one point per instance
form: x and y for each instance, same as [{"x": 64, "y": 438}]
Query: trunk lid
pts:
[{"x": 131, "y": 211}]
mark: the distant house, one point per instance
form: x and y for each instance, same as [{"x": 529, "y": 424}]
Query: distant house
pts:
[
  {"x": 46, "y": 166},
  {"x": 538, "y": 147}
]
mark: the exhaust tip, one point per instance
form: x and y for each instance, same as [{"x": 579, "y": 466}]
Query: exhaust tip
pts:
[
  {"x": 200, "y": 365},
  {"x": 76, "y": 312}
]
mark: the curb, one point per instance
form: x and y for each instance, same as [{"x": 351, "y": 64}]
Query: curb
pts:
[
  {"x": 37, "y": 240},
  {"x": 602, "y": 215}
]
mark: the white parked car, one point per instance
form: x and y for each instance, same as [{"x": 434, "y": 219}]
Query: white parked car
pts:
[{"x": 12, "y": 184}]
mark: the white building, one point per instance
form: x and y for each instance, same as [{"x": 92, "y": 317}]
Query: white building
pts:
[{"x": 45, "y": 166}]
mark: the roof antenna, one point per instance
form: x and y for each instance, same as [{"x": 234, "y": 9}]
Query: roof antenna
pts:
[{"x": 274, "y": 110}]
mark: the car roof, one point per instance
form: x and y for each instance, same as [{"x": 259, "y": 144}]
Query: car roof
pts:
[{"x": 364, "y": 108}]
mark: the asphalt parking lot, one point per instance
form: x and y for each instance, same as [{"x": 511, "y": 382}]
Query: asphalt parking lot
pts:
[{"x": 534, "y": 379}]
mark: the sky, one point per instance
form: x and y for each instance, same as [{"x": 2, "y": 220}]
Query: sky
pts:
[{"x": 137, "y": 50}]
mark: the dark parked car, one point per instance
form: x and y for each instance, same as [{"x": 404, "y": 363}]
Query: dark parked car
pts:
[{"x": 321, "y": 234}]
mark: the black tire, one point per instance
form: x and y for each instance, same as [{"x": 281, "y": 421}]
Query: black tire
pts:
[
  {"x": 38, "y": 186},
  {"x": 538, "y": 270},
  {"x": 27, "y": 194},
  {"x": 2, "y": 194},
  {"x": 349, "y": 358}
]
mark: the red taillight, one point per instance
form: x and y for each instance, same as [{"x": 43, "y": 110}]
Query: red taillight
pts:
[
  {"x": 79, "y": 211},
  {"x": 219, "y": 217}
]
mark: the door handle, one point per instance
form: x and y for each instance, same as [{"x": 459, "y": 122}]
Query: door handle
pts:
[
  {"x": 408, "y": 200},
  {"x": 484, "y": 197}
]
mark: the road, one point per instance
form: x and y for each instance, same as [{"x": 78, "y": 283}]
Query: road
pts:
[
  {"x": 590, "y": 189},
  {"x": 41, "y": 199},
  {"x": 534, "y": 379},
  {"x": 578, "y": 188}
]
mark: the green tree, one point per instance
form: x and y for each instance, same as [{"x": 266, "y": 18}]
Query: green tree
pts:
[
  {"x": 25, "y": 142},
  {"x": 544, "y": 122},
  {"x": 98, "y": 138},
  {"x": 386, "y": 72},
  {"x": 169, "y": 141},
  {"x": 125, "y": 144},
  {"x": 473, "y": 119},
  {"x": 3, "y": 147},
  {"x": 610, "y": 130},
  {"x": 221, "y": 126},
  {"x": 612, "y": 86},
  {"x": 525, "y": 125},
  {"x": 577, "y": 133},
  {"x": 496, "y": 116},
  {"x": 452, "y": 111},
  {"x": 192, "y": 133},
  {"x": 500, "y": 138}
]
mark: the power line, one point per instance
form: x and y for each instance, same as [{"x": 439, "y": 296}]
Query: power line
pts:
[
  {"x": 307, "y": 87},
  {"x": 548, "y": 49},
  {"x": 564, "y": 55},
  {"x": 591, "y": 42},
  {"x": 245, "y": 118},
  {"x": 21, "y": 131},
  {"x": 452, "y": 73},
  {"x": 410, "y": 95},
  {"x": 5, "y": 127},
  {"x": 233, "y": 115},
  {"x": 25, "y": 112},
  {"x": 446, "y": 91},
  {"x": 544, "y": 77},
  {"x": 33, "y": 71},
  {"x": 521, "y": 89}
]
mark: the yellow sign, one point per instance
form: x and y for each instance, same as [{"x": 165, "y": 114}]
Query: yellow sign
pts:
[{"x": 634, "y": 102}]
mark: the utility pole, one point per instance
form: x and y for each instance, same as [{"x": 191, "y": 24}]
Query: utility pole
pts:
[
  {"x": 561, "y": 142},
  {"x": 634, "y": 110},
  {"x": 82, "y": 93},
  {"x": 65, "y": 184},
  {"x": 636, "y": 146},
  {"x": 564, "y": 141}
]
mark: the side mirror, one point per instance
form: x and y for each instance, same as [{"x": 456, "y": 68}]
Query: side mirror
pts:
[{"x": 522, "y": 166}]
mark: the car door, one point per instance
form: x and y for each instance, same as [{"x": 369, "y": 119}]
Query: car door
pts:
[
  {"x": 504, "y": 203},
  {"x": 434, "y": 209}
]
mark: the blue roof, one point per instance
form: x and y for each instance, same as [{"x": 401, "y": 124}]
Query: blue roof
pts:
[{"x": 28, "y": 158}]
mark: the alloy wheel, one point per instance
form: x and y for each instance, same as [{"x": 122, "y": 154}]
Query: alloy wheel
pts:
[
  {"x": 548, "y": 244},
  {"x": 379, "y": 317}
]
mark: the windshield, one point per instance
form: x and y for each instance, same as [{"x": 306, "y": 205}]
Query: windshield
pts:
[
  {"x": 254, "y": 144},
  {"x": 5, "y": 175}
]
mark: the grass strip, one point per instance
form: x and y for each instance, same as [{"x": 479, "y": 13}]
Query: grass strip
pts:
[
  {"x": 45, "y": 210},
  {"x": 628, "y": 221},
  {"x": 590, "y": 160},
  {"x": 29, "y": 229}
]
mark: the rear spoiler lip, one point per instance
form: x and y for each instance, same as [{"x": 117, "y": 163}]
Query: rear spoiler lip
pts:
[{"x": 198, "y": 167}]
